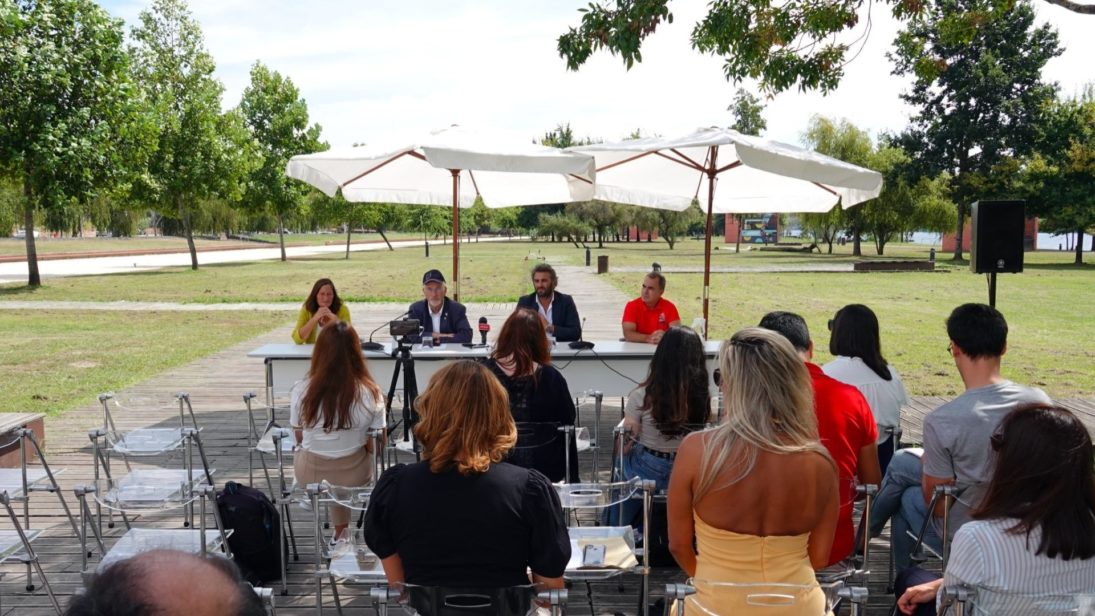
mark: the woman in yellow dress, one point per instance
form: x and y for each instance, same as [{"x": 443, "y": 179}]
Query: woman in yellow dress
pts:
[{"x": 759, "y": 492}]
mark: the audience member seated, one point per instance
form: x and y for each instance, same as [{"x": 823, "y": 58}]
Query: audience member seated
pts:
[
  {"x": 557, "y": 309},
  {"x": 855, "y": 342},
  {"x": 443, "y": 320},
  {"x": 956, "y": 436},
  {"x": 1034, "y": 531},
  {"x": 844, "y": 423},
  {"x": 331, "y": 412},
  {"x": 647, "y": 317},
  {"x": 673, "y": 401},
  {"x": 322, "y": 308},
  {"x": 463, "y": 517},
  {"x": 758, "y": 493},
  {"x": 168, "y": 583},
  {"x": 538, "y": 396}
]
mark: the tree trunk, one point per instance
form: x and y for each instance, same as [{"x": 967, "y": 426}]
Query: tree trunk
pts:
[
  {"x": 829, "y": 241},
  {"x": 1079, "y": 247},
  {"x": 959, "y": 231},
  {"x": 281, "y": 237},
  {"x": 880, "y": 243},
  {"x": 349, "y": 232},
  {"x": 737, "y": 242},
  {"x": 857, "y": 249},
  {"x": 600, "y": 238},
  {"x": 380, "y": 230},
  {"x": 185, "y": 218},
  {"x": 34, "y": 279}
]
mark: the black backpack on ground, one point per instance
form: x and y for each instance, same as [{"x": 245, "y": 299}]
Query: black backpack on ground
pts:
[{"x": 256, "y": 539}]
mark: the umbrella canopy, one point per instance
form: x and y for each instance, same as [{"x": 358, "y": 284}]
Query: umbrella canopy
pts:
[
  {"x": 761, "y": 176},
  {"x": 450, "y": 167}
]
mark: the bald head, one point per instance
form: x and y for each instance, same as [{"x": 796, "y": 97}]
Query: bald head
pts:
[{"x": 168, "y": 583}]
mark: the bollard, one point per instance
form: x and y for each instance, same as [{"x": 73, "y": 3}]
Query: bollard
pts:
[
  {"x": 931, "y": 255},
  {"x": 587, "y": 256},
  {"x": 427, "y": 249},
  {"x": 602, "y": 264}
]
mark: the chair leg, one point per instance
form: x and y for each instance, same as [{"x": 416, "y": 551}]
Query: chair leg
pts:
[{"x": 52, "y": 479}]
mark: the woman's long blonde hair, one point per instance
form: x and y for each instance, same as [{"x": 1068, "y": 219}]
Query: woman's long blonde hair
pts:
[
  {"x": 769, "y": 404},
  {"x": 465, "y": 419}
]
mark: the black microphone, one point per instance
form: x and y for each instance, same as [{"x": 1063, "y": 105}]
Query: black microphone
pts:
[
  {"x": 484, "y": 327},
  {"x": 376, "y": 346},
  {"x": 579, "y": 343}
]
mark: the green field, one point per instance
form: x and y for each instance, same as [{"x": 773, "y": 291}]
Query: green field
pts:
[
  {"x": 53, "y": 360},
  {"x": 1050, "y": 307}
]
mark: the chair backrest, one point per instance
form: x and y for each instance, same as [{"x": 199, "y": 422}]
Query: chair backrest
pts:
[
  {"x": 445, "y": 601},
  {"x": 768, "y": 599},
  {"x": 982, "y": 601}
]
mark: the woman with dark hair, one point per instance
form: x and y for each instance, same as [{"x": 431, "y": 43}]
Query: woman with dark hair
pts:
[
  {"x": 1034, "y": 532},
  {"x": 331, "y": 412},
  {"x": 322, "y": 308},
  {"x": 857, "y": 345},
  {"x": 539, "y": 398},
  {"x": 462, "y": 517},
  {"x": 673, "y": 401}
]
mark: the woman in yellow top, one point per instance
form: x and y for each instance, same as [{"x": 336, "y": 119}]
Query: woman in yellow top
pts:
[
  {"x": 322, "y": 308},
  {"x": 758, "y": 492}
]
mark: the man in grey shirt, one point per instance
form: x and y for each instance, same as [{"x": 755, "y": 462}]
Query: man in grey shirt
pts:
[{"x": 956, "y": 436}]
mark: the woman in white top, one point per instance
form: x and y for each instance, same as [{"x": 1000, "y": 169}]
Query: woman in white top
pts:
[
  {"x": 856, "y": 343},
  {"x": 1034, "y": 533},
  {"x": 331, "y": 411}
]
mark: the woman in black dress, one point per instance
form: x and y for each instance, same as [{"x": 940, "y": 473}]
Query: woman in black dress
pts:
[
  {"x": 539, "y": 398},
  {"x": 462, "y": 517}
]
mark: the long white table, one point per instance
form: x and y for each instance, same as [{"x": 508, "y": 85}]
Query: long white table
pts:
[{"x": 611, "y": 367}]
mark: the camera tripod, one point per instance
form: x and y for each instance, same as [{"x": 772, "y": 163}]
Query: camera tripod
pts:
[{"x": 404, "y": 362}]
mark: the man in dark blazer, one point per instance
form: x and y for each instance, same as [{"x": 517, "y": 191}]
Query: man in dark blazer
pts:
[
  {"x": 443, "y": 320},
  {"x": 558, "y": 311}
]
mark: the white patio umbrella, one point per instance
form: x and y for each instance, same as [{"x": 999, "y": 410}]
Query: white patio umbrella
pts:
[
  {"x": 502, "y": 171},
  {"x": 764, "y": 176}
]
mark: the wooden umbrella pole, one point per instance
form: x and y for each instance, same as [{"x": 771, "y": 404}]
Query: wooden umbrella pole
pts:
[
  {"x": 712, "y": 171},
  {"x": 455, "y": 234}
]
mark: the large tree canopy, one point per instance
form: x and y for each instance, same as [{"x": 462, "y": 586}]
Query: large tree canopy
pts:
[
  {"x": 781, "y": 44},
  {"x": 979, "y": 99}
]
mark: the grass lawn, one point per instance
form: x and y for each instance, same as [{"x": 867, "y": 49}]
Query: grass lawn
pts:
[
  {"x": 323, "y": 239},
  {"x": 1050, "y": 307},
  {"x": 53, "y": 360}
]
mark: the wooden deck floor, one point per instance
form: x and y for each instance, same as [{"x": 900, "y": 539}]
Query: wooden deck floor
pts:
[{"x": 216, "y": 385}]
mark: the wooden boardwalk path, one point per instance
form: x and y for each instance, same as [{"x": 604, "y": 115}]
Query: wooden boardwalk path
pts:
[{"x": 216, "y": 384}]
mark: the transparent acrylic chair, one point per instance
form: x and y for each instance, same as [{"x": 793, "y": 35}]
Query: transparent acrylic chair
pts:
[
  {"x": 614, "y": 552},
  {"x": 973, "y": 600},
  {"x": 350, "y": 560},
  {"x": 147, "y": 443},
  {"x": 549, "y": 447},
  {"x": 414, "y": 600},
  {"x": 856, "y": 567},
  {"x": 710, "y": 598},
  {"x": 150, "y": 500},
  {"x": 15, "y": 544}
]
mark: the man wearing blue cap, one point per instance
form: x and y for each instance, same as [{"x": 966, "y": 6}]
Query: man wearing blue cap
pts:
[{"x": 443, "y": 320}]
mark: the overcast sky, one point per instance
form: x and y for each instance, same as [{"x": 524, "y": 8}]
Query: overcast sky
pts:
[{"x": 383, "y": 71}]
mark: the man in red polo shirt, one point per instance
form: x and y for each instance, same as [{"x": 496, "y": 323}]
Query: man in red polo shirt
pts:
[
  {"x": 647, "y": 317},
  {"x": 845, "y": 425}
]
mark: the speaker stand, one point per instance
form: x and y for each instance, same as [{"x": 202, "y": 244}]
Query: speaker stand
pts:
[{"x": 992, "y": 289}]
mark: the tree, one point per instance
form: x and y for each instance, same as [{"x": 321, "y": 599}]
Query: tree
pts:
[
  {"x": 672, "y": 225},
  {"x": 563, "y": 226},
  {"x": 781, "y": 44},
  {"x": 1059, "y": 180},
  {"x": 598, "y": 215},
  {"x": 198, "y": 153},
  {"x": 979, "y": 94},
  {"x": 824, "y": 226},
  {"x": 747, "y": 111},
  {"x": 278, "y": 120},
  {"x": 71, "y": 120},
  {"x": 844, "y": 141},
  {"x": 563, "y": 137}
]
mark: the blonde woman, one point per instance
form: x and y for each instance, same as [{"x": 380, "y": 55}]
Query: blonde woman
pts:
[
  {"x": 461, "y": 517},
  {"x": 758, "y": 492}
]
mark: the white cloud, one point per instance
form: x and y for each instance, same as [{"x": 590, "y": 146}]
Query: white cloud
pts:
[{"x": 383, "y": 71}]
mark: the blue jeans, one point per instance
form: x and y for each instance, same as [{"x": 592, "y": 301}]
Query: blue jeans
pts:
[
  {"x": 901, "y": 499},
  {"x": 639, "y": 463}
]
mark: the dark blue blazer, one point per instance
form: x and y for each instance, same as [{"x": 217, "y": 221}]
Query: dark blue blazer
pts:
[
  {"x": 454, "y": 320},
  {"x": 564, "y": 315}
]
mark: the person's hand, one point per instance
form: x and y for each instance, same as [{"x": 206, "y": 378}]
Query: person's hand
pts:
[
  {"x": 656, "y": 337},
  {"x": 915, "y": 595},
  {"x": 325, "y": 316}
]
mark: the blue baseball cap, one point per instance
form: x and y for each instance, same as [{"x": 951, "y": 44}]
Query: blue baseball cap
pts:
[{"x": 433, "y": 276}]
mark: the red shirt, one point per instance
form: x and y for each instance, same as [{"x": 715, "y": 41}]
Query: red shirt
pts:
[
  {"x": 650, "y": 320},
  {"x": 845, "y": 425}
]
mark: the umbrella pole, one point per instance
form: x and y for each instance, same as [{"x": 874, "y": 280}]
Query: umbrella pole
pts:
[
  {"x": 455, "y": 234},
  {"x": 712, "y": 170}
]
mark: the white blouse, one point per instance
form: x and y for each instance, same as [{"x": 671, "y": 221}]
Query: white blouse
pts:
[
  {"x": 884, "y": 397},
  {"x": 365, "y": 415}
]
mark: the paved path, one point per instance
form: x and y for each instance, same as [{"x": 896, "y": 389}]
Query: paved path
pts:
[{"x": 17, "y": 271}]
